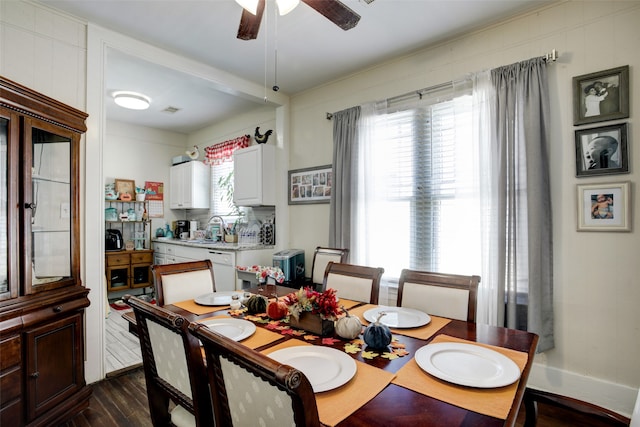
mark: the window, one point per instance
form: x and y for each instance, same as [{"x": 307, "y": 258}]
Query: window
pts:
[
  {"x": 222, "y": 189},
  {"x": 421, "y": 208}
]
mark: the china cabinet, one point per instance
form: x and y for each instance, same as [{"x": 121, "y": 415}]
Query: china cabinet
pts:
[
  {"x": 254, "y": 176},
  {"x": 189, "y": 186},
  {"x": 42, "y": 299}
]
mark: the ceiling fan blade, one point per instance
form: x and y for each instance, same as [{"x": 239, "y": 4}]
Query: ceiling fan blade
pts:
[
  {"x": 250, "y": 23},
  {"x": 336, "y": 12}
]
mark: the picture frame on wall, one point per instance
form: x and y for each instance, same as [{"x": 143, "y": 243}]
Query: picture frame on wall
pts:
[
  {"x": 601, "y": 96},
  {"x": 602, "y": 150},
  {"x": 310, "y": 185},
  {"x": 604, "y": 207}
]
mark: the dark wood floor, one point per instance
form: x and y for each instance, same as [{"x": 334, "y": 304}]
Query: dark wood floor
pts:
[{"x": 122, "y": 402}]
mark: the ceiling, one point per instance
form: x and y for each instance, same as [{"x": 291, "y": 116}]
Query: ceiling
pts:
[{"x": 310, "y": 50}]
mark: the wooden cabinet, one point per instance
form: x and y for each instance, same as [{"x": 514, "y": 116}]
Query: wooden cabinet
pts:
[
  {"x": 128, "y": 269},
  {"x": 189, "y": 186},
  {"x": 42, "y": 299},
  {"x": 254, "y": 176}
]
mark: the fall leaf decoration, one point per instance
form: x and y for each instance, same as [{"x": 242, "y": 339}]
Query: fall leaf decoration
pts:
[{"x": 307, "y": 300}]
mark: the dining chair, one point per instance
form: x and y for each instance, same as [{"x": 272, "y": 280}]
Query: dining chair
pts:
[
  {"x": 174, "y": 367},
  {"x": 251, "y": 389},
  {"x": 323, "y": 256},
  {"x": 182, "y": 281},
  {"x": 354, "y": 282},
  {"x": 447, "y": 295}
]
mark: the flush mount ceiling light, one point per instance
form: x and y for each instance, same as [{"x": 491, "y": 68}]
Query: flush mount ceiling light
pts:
[
  {"x": 131, "y": 100},
  {"x": 284, "y": 6}
]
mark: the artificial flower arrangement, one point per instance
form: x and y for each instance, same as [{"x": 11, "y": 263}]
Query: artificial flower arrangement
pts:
[{"x": 307, "y": 300}]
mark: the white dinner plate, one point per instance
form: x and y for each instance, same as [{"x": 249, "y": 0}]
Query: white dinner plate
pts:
[
  {"x": 235, "y": 329},
  {"x": 398, "y": 317},
  {"x": 467, "y": 364},
  {"x": 326, "y": 368},
  {"x": 216, "y": 298}
]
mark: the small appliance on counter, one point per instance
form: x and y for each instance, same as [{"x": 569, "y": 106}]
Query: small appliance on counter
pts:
[
  {"x": 113, "y": 240},
  {"x": 182, "y": 226},
  {"x": 291, "y": 262}
]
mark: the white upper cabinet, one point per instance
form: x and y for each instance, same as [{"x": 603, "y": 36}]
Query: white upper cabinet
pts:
[
  {"x": 254, "y": 176},
  {"x": 189, "y": 186}
]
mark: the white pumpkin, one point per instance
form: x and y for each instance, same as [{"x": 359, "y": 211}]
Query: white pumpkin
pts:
[{"x": 348, "y": 327}]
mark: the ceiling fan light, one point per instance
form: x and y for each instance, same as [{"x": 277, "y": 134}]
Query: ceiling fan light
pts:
[
  {"x": 286, "y": 6},
  {"x": 249, "y": 5},
  {"x": 131, "y": 100}
]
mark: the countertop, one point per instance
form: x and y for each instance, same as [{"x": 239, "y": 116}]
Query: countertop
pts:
[{"x": 207, "y": 244}]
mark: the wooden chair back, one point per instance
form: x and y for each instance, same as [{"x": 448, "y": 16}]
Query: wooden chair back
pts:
[
  {"x": 182, "y": 281},
  {"x": 447, "y": 295},
  {"x": 251, "y": 389},
  {"x": 174, "y": 367},
  {"x": 353, "y": 282},
  {"x": 323, "y": 256}
]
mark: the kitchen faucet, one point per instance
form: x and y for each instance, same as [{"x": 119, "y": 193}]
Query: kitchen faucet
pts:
[{"x": 224, "y": 225}]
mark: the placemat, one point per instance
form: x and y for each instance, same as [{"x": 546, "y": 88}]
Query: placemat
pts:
[
  {"x": 495, "y": 402},
  {"x": 348, "y": 304},
  {"x": 337, "y": 404},
  {"x": 422, "y": 333},
  {"x": 198, "y": 309},
  {"x": 261, "y": 337}
]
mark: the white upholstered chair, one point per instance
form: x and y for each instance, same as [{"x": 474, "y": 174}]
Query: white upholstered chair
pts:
[
  {"x": 353, "y": 282},
  {"x": 323, "y": 256},
  {"x": 182, "y": 281},
  {"x": 446, "y": 295},
  {"x": 251, "y": 389},
  {"x": 173, "y": 366}
]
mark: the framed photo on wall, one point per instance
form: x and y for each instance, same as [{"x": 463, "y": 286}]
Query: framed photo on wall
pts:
[
  {"x": 601, "y": 96},
  {"x": 602, "y": 150},
  {"x": 310, "y": 185},
  {"x": 604, "y": 207}
]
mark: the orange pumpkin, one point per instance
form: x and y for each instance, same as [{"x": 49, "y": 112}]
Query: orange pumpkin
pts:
[{"x": 277, "y": 309}]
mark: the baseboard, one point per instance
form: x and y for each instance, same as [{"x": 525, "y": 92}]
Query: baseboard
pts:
[{"x": 615, "y": 397}]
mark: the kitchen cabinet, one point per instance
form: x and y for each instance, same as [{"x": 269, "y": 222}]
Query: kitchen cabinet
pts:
[
  {"x": 42, "y": 299},
  {"x": 254, "y": 176},
  {"x": 128, "y": 269},
  {"x": 189, "y": 186}
]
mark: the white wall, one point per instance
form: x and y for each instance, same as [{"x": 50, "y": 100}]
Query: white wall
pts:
[{"x": 597, "y": 289}]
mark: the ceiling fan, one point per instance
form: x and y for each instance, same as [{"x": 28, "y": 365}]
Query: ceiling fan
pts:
[{"x": 334, "y": 10}]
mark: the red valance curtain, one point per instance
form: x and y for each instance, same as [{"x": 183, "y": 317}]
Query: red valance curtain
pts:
[{"x": 223, "y": 151}]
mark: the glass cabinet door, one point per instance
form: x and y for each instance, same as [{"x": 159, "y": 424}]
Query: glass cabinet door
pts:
[
  {"x": 9, "y": 170},
  {"x": 48, "y": 202}
]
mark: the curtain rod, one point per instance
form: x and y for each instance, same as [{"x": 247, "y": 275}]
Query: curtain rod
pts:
[{"x": 548, "y": 57}]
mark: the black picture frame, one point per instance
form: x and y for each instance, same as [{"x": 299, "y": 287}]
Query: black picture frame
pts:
[
  {"x": 609, "y": 99},
  {"x": 310, "y": 185},
  {"x": 602, "y": 150}
]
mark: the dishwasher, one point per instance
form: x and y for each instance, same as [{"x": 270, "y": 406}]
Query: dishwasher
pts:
[{"x": 224, "y": 270}]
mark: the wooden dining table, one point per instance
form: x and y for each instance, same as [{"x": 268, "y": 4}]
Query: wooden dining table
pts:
[{"x": 397, "y": 405}]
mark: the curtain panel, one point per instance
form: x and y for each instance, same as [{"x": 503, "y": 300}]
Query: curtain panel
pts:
[
  {"x": 223, "y": 151},
  {"x": 520, "y": 165},
  {"x": 345, "y": 140}
]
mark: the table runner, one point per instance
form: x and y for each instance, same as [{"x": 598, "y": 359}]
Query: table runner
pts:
[
  {"x": 198, "y": 309},
  {"x": 495, "y": 402},
  {"x": 260, "y": 338},
  {"x": 422, "y": 333},
  {"x": 337, "y": 404}
]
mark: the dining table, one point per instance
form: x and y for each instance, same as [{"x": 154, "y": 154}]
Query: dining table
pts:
[{"x": 389, "y": 387}]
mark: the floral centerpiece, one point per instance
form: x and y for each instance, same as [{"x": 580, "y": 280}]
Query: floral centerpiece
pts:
[{"x": 313, "y": 311}]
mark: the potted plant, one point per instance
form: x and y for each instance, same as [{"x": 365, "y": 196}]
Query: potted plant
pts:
[{"x": 313, "y": 311}]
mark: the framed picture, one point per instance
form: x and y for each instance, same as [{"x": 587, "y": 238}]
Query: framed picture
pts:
[
  {"x": 604, "y": 207},
  {"x": 602, "y": 150},
  {"x": 601, "y": 96},
  {"x": 126, "y": 186},
  {"x": 311, "y": 185}
]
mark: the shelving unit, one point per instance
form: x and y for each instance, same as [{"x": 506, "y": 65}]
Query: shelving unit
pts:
[{"x": 131, "y": 229}]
